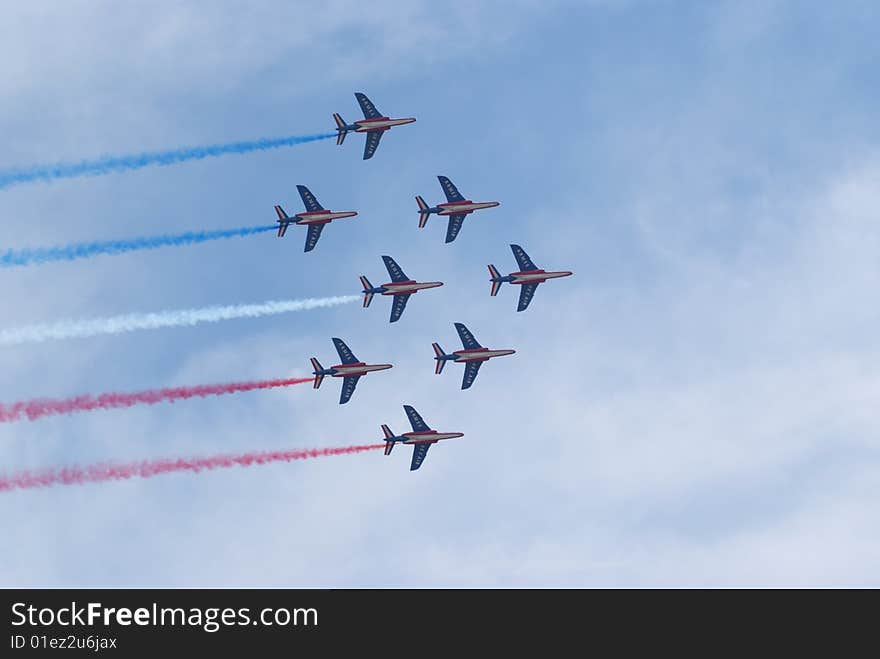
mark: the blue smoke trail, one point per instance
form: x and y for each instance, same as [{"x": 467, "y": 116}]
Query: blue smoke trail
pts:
[
  {"x": 109, "y": 164},
  {"x": 29, "y": 256}
]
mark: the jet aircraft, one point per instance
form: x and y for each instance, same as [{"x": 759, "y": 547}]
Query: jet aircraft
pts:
[
  {"x": 400, "y": 286},
  {"x": 456, "y": 207},
  {"x": 350, "y": 370},
  {"x": 373, "y": 124},
  {"x": 421, "y": 437},
  {"x": 472, "y": 356},
  {"x": 314, "y": 217},
  {"x": 529, "y": 276}
]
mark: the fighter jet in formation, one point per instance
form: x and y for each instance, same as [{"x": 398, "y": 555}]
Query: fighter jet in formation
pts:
[
  {"x": 400, "y": 286},
  {"x": 472, "y": 356},
  {"x": 529, "y": 276},
  {"x": 373, "y": 124},
  {"x": 350, "y": 370},
  {"x": 456, "y": 207},
  {"x": 421, "y": 437},
  {"x": 314, "y": 217}
]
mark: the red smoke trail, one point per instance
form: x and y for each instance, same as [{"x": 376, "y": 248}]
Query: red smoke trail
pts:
[
  {"x": 35, "y": 409},
  {"x": 99, "y": 473}
]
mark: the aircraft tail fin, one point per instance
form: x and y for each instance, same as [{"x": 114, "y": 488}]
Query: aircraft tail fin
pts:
[
  {"x": 368, "y": 296},
  {"x": 389, "y": 445},
  {"x": 496, "y": 283},
  {"x": 438, "y": 351},
  {"x": 423, "y": 214},
  {"x": 316, "y": 365},
  {"x": 283, "y": 221},
  {"x": 340, "y": 128}
]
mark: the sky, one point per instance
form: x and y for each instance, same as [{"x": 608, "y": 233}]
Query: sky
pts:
[{"x": 696, "y": 406}]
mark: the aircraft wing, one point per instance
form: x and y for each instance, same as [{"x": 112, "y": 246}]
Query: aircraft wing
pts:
[
  {"x": 312, "y": 236},
  {"x": 455, "y": 222},
  {"x": 309, "y": 200},
  {"x": 419, "y": 453},
  {"x": 394, "y": 270},
  {"x": 369, "y": 110},
  {"x": 452, "y": 193},
  {"x": 467, "y": 339},
  {"x": 372, "y": 143},
  {"x": 470, "y": 374},
  {"x": 345, "y": 353},
  {"x": 348, "y": 385},
  {"x": 397, "y": 307},
  {"x": 525, "y": 296},
  {"x": 415, "y": 419},
  {"x": 522, "y": 259}
]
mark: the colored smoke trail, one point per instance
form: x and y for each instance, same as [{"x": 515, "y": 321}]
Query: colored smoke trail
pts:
[
  {"x": 110, "y": 164},
  {"x": 38, "y": 408},
  {"x": 99, "y": 473},
  {"x": 28, "y": 256},
  {"x": 68, "y": 329}
]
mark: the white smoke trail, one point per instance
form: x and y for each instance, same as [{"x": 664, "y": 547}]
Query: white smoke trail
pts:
[{"x": 69, "y": 329}]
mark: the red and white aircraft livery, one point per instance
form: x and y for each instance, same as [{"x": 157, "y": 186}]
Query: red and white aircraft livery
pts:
[
  {"x": 373, "y": 124},
  {"x": 314, "y": 217},
  {"x": 350, "y": 370},
  {"x": 400, "y": 286},
  {"x": 456, "y": 207},
  {"x": 472, "y": 356},
  {"x": 529, "y": 276},
  {"x": 421, "y": 437}
]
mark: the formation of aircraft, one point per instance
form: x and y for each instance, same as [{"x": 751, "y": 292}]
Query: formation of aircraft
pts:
[
  {"x": 528, "y": 276},
  {"x": 400, "y": 287},
  {"x": 472, "y": 355},
  {"x": 373, "y": 124},
  {"x": 314, "y": 217},
  {"x": 421, "y": 437},
  {"x": 456, "y": 207},
  {"x": 351, "y": 369}
]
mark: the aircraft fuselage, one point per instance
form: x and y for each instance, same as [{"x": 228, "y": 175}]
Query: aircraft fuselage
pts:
[
  {"x": 535, "y": 276},
  {"x": 465, "y": 207},
  {"x": 321, "y": 217},
  {"x": 378, "y": 124},
  {"x": 428, "y": 436},
  {"x": 408, "y": 287},
  {"x": 479, "y": 354},
  {"x": 347, "y": 370}
]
